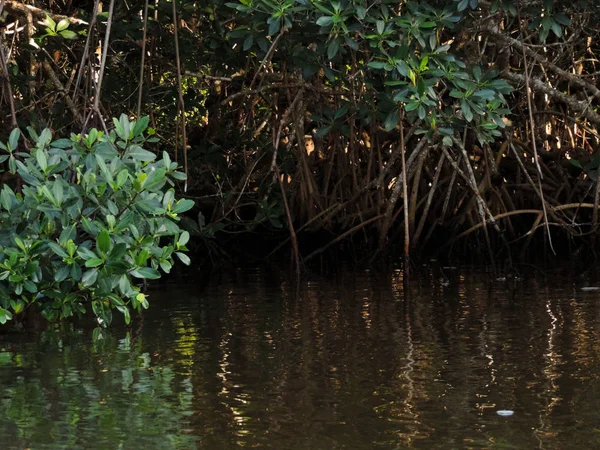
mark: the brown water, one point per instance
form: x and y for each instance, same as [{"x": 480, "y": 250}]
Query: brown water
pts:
[{"x": 352, "y": 362}]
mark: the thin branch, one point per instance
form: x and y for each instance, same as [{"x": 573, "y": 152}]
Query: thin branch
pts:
[
  {"x": 343, "y": 236},
  {"x": 525, "y": 49},
  {"x": 11, "y": 99},
  {"x": 20, "y": 9},
  {"x": 180, "y": 92},
  {"x": 538, "y": 85},
  {"x": 268, "y": 56},
  {"x": 96, "y": 106},
  {"x": 201, "y": 76},
  {"x": 532, "y": 127},
  {"x": 249, "y": 92},
  {"x": 86, "y": 48},
  {"x": 141, "y": 84},
  {"x": 59, "y": 87}
]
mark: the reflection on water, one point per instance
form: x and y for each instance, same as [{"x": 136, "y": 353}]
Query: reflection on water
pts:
[{"x": 349, "y": 362}]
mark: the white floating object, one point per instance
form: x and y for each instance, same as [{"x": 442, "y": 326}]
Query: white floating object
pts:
[
  {"x": 505, "y": 412},
  {"x": 590, "y": 288}
]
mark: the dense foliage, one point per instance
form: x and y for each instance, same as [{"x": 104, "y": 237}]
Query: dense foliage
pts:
[
  {"x": 91, "y": 215},
  {"x": 369, "y": 121}
]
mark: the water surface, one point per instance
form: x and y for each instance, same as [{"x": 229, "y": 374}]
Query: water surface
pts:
[{"x": 351, "y": 361}]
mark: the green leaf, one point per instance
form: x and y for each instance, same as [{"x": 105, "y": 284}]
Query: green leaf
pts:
[
  {"x": 50, "y": 23},
  {"x": 103, "y": 312},
  {"x": 94, "y": 262},
  {"x": 62, "y": 143},
  {"x": 184, "y": 238},
  {"x": 62, "y": 25},
  {"x": 104, "y": 169},
  {"x": 126, "y": 126},
  {"x": 66, "y": 235},
  {"x": 139, "y": 154},
  {"x": 57, "y": 249},
  {"x": 125, "y": 285},
  {"x": 103, "y": 241},
  {"x": 119, "y": 129},
  {"x": 562, "y": 19},
  {"x": 13, "y": 139},
  {"x": 556, "y": 29},
  {"x": 58, "y": 192},
  {"x": 125, "y": 311},
  {"x": 274, "y": 27},
  {"x": 412, "y": 106},
  {"x": 183, "y": 206},
  {"x": 20, "y": 243},
  {"x": 376, "y": 64},
  {"x": 391, "y": 120},
  {"x": 248, "y": 43},
  {"x": 402, "y": 68},
  {"x": 178, "y": 176},
  {"x": 49, "y": 196},
  {"x": 61, "y": 274},
  {"x": 324, "y": 21},
  {"x": 487, "y": 94},
  {"x": 118, "y": 251},
  {"x": 146, "y": 273},
  {"x": 183, "y": 258},
  {"x": 5, "y": 315},
  {"x": 85, "y": 253},
  {"x": 361, "y": 12},
  {"x": 40, "y": 156},
  {"x": 75, "y": 272},
  {"x": 68, "y": 34},
  {"x": 466, "y": 110},
  {"x": 333, "y": 48},
  {"x": 122, "y": 178},
  {"x": 89, "y": 277},
  {"x": 140, "y": 126},
  {"x": 7, "y": 197}
]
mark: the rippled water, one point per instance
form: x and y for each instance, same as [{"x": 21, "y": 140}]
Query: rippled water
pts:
[{"x": 351, "y": 361}]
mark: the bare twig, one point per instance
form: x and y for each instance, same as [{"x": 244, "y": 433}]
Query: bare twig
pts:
[
  {"x": 21, "y": 9},
  {"x": 180, "y": 92},
  {"x": 538, "y": 85},
  {"x": 201, "y": 76},
  {"x": 59, "y": 87},
  {"x": 343, "y": 236},
  {"x": 11, "y": 99},
  {"x": 86, "y": 48},
  {"x": 268, "y": 56},
  {"x": 532, "y": 128},
  {"x": 141, "y": 83},
  {"x": 96, "y": 105},
  {"x": 526, "y": 50}
]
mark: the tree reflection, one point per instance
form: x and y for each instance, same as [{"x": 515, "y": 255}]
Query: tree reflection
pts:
[{"x": 70, "y": 391}]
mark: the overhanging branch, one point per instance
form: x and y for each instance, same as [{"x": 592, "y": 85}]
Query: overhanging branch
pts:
[{"x": 584, "y": 109}]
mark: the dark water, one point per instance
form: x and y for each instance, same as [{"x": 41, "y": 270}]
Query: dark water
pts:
[{"x": 353, "y": 362}]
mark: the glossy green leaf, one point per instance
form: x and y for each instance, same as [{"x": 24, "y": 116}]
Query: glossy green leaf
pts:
[
  {"x": 146, "y": 272},
  {"x": 103, "y": 241},
  {"x": 89, "y": 277}
]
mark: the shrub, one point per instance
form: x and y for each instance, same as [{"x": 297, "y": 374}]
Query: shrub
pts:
[{"x": 89, "y": 218}]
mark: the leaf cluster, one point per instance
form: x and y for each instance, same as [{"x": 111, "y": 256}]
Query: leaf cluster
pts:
[{"x": 95, "y": 215}]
